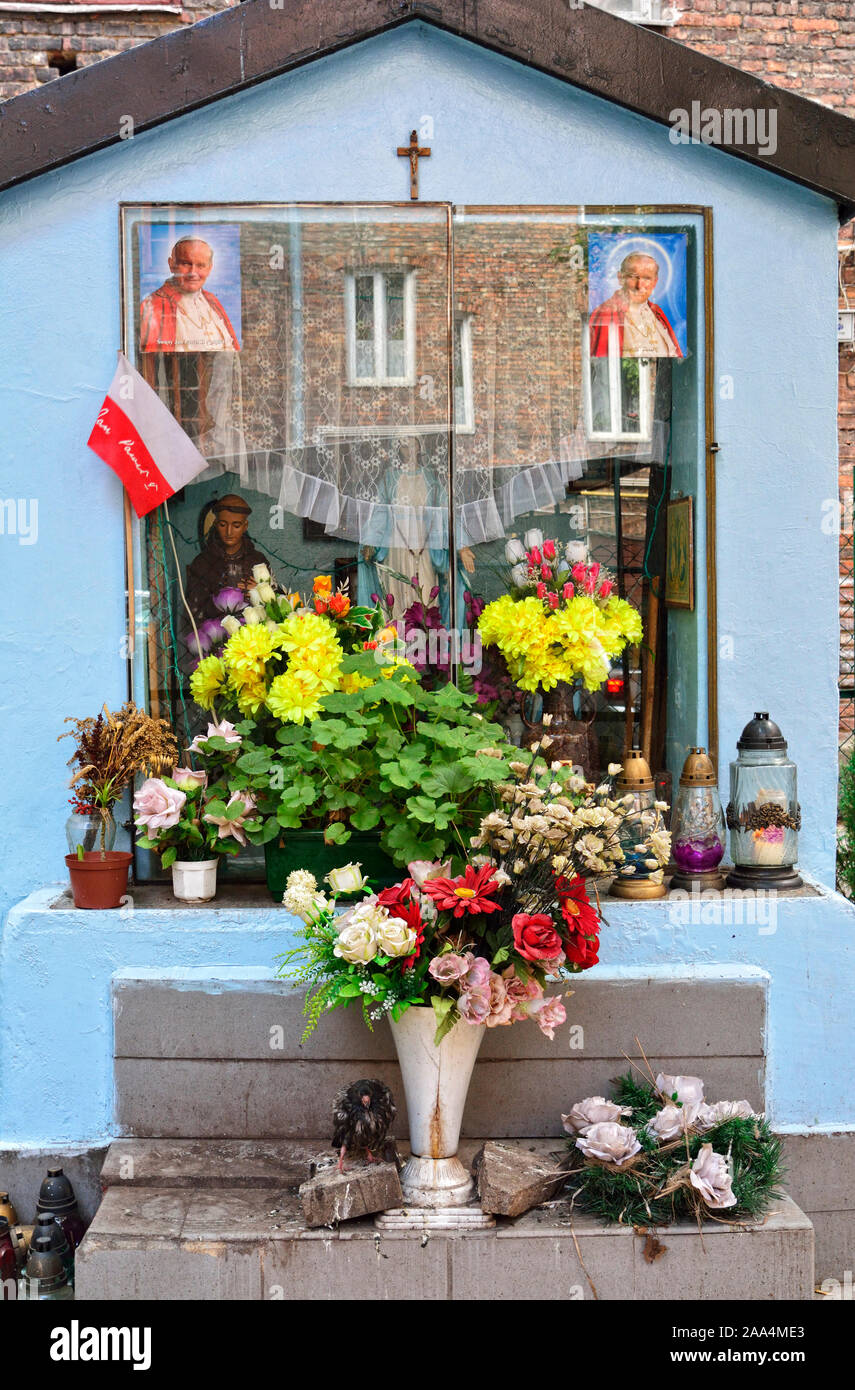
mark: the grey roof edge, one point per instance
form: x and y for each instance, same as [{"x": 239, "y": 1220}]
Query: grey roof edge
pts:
[{"x": 636, "y": 68}]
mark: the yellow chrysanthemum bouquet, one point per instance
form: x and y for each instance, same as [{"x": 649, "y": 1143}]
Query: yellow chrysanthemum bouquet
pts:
[
  {"x": 561, "y": 621},
  {"x": 333, "y": 732}
]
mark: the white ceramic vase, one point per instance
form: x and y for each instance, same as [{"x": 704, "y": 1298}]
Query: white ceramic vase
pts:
[
  {"x": 438, "y": 1190},
  {"x": 194, "y": 881}
]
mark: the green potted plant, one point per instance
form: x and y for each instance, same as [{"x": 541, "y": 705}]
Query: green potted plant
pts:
[
  {"x": 344, "y": 753},
  {"x": 111, "y": 748}
]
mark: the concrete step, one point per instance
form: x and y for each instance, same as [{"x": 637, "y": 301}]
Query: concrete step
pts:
[
  {"x": 216, "y": 1053},
  {"x": 169, "y": 1240}
]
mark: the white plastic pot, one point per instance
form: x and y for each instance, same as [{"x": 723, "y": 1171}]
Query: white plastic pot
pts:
[{"x": 194, "y": 881}]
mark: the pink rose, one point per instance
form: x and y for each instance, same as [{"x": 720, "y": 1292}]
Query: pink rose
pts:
[
  {"x": 520, "y": 994},
  {"x": 447, "y": 969},
  {"x": 549, "y": 550},
  {"x": 478, "y": 974},
  {"x": 223, "y": 730},
  {"x": 554, "y": 600},
  {"x": 568, "y": 591},
  {"x": 541, "y": 591},
  {"x": 501, "y": 1007},
  {"x": 233, "y": 827},
  {"x": 158, "y": 806},
  {"x": 545, "y": 572},
  {"x": 579, "y": 572},
  {"x": 594, "y": 571},
  {"x": 474, "y": 1005},
  {"x": 548, "y": 1014},
  {"x": 606, "y": 588},
  {"x": 420, "y": 870},
  {"x": 186, "y": 777}
]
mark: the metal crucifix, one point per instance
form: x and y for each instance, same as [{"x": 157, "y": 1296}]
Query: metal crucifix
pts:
[{"x": 415, "y": 153}]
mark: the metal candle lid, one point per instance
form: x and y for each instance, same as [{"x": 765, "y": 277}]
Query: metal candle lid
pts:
[
  {"x": 760, "y": 734},
  {"x": 56, "y": 1192},
  {"x": 635, "y": 775},
  {"x": 698, "y": 770}
]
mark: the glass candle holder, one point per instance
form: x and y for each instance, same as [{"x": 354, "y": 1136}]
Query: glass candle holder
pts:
[
  {"x": 639, "y": 875},
  {"x": 697, "y": 826},
  {"x": 763, "y": 814}
]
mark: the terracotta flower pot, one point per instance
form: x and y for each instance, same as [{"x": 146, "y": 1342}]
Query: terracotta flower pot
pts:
[{"x": 99, "y": 880}]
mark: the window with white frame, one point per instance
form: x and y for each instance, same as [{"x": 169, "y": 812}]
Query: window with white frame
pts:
[
  {"x": 464, "y": 405},
  {"x": 618, "y": 393},
  {"x": 381, "y": 327}
]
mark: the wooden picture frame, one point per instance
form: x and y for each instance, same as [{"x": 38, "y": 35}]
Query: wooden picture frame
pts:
[{"x": 680, "y": 554}]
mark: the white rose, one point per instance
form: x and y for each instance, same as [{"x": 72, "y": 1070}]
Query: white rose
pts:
[
  {"x": 514, "y": 551},
  {"x": 594, "y": 1110},
  {"x": 252, "y": 615},
  {"x": 576, "y": 553},
  {"x": 519, "y": 576},
  {"x": 346, "y": 879},
  {"x": 668, "y": 1123},
  {"x": 396, "y": 938},
  {"x": 231, "y": 624},
  {"x": 710, "y": 1115},
  {"x": 254, "y": 597},
  {"x": 266, "y": 593},
  {"x": 610, "y": 1143},
  {"x": 689, "y": 1090},
  {"x": 711, "y": 1177},
  {"x": 356, "y": 944},
  {"x": 533, "y": 538},
  {"x": 261, "y": 574}
]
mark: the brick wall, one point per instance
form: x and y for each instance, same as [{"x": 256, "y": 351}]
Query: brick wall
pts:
[
  {"x": 806, "y": 45},
  {"x": 29, "y": 41}
]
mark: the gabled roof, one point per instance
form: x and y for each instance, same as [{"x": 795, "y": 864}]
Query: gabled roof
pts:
[{"x": 634, "y": 67}]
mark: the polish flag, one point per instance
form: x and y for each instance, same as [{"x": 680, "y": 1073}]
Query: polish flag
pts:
[{"x": 139, "y": 439}]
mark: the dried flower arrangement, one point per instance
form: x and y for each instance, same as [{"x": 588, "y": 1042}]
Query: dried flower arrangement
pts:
[
  {"x": 659, "y": 1153},
  {"x": 112, "y": 748}
]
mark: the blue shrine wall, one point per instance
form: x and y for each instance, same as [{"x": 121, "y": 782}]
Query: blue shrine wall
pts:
[{"x": 503, "y": 134}]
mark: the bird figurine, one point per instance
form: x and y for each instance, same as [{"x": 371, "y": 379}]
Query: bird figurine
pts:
[{"x": 362, "y": 1117}]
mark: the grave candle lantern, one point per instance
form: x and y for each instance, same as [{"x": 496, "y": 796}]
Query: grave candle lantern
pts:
[
  {"x": 763, "y": 815},
  {"x": 697, "y": 826},
  {"x": 635, "y": 877}
]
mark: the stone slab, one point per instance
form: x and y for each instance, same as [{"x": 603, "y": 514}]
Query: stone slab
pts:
[
  {"x": 293, "y": 1100},
  {"x": 693, "y": 1014},
  {"x": 234, "y": 1246},
  {"x": 820, "y": 1169},
  {"x": 331, "y": 1196},
  {"x": 511, "y": 1180},
  {"x": 199, "y": 1164}
]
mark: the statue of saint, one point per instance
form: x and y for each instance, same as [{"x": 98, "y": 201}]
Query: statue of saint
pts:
[{"x": 226, "y": 558}]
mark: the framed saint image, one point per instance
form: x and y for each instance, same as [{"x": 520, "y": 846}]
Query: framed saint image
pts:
[
  {"x": 680, "y": 555},
  {"x": 637, "y": 294},
  {"x": 190, "y": 288}
]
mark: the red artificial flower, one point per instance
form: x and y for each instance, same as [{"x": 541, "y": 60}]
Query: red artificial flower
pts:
[
  {"x": 321, "y": 605},
  {"x": 535, "y": 936},
  {"x": 549, "y": 550},
  {"x": 399, "y": 895},
  {"x": 582, "y": 951},
  {"x": 580, "y": 915},
  {"x": 467, "y": 894},
  {"x": 339, "y": 605},
  {"x": 541, "y": 591},
  {"x": 401, "y": 904}
]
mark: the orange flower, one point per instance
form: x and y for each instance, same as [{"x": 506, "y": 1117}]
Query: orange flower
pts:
[
  {"x": 322, "y": 585},
  {"x": 339, "y": 605}
]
